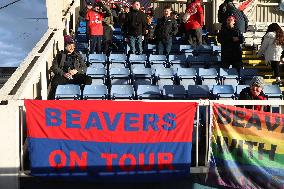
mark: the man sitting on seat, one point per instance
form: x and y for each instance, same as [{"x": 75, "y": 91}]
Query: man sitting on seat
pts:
[{"x": 69, "y": 68}]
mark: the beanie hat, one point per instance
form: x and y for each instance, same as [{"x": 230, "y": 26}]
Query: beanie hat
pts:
[{"x": 257, "y": 81}]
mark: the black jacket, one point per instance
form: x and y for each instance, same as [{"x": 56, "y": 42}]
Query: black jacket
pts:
[
  {"x": 59, "y": 61},
  {"x": 231, "y": 51},
  {"x": 135, "y": 22},
  {"x": 246, "y": 94},
  {"x": 166, "y": 28}
]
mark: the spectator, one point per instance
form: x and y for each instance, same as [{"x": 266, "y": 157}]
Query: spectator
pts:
[
  {"x": 193, "y": 22},
  {"x": 166, "y": 28},
  {"x": 227, "y": 9},
  {"x": 254, "y": 92},
  {"x": 150, "y": 28},
  {"x": 107, "y": 30},
  {"x": 95, "y": 18},
  {"x": 272, "y": 47},
  {"x": 69, "y": 68},
  {"x": 134, "y": 26},
  {"x": 231, "y": 39}
]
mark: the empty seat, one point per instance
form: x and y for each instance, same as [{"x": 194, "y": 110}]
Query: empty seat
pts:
[
  {"x": 229, "y": 76},
  {"x": 83, "y": 24},
  {"x": 70, "y": 92},
  {"x": 138, "y": 59},
  {"x": 186, "y": 48},
  {"x": 82, "y": 30},
  {"x": 82, "y": 47},
  {"x": 239, "y": 89},
  {"x": 164, "y": 76},
  {"x": 198, "y": 92},
  {"x": 97, "y": 60},
  {"x": 117, "y": 38},
  {"x": 119, "y": 76},
  {"x": 148, "y": 92},
  {"x": 117, "y": 31},
  {"x": 142, "y": 76},
  {"x": 122, "y": 92},
  {"x": 117, "y": 60},
  {"x": 151, "y": 48},
  {"x": 223, "y": 92},
  {"x": 99, "y": 74},
  {"x": 81, "y": 38},
  {"x": 272, "y": 91},
  {"x": 174, "y": 91},
  {"x": 95, "y": 92},
  {"x": 216, "y": 49},
  {"x": 247, "y": 74},
  {"x": 203, "y": 49},
  {"x": 157, "y": 59},
  {"x": 186, "y": 76},
  {"x": 208, "y": 76},
  {"x": 177, "y": 59}
]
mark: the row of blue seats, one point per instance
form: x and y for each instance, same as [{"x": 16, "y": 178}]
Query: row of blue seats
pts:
[
  {"x": 183, "y": 76},
  {"x": 153, "y": 92},
  {"x": 182, "y": 59}
]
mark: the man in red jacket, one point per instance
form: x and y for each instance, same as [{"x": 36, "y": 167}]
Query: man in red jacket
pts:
[
  {"x": 95, "y": 18},
  {"x": 193, "y": 22}
]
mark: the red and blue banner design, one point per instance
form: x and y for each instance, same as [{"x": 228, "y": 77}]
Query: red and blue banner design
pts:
[{"x": 103, "y": 139}]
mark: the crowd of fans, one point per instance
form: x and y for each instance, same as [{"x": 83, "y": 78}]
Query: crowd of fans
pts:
[{"x": 140, "y": 27}]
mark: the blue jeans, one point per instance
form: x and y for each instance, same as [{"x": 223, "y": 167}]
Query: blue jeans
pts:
[
  {"x": 96, "y": 40},
  {"x": 164, "y": 46},
  {"x": 133, "y": 41}
]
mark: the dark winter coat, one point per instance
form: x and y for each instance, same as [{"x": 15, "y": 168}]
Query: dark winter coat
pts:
[
  {"x": 166, "y": 28},
  {"x": 246, "y": 94},
  {"x": 60, "y": 61},
  {"x": 135, "y": 22}
]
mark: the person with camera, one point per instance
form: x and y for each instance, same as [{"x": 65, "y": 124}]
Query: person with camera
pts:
[
  {"x": 69, "y": 68},
  {"x": 135, "y": 27}
]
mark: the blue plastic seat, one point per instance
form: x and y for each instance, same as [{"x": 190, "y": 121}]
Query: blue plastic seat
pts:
[
  {"x": 117, "y": 31},
  {"x": 119, "y": 76},
  {"x": 82, "y": 30},
  {"x": 199, "y": 92},
  {"x": 95, "y": 92},
  {"x": 122, "y": 92},
  {"x": 208, "y": 76},
  {"x": 223, "y": 92},
  {"x": 148, "y": 92},
  {"x": 83, "y": 47},
  {"x": 142, "y": 76},
  {"x": 186, "y": 48},
  {"x": 239, "y": 89},
  {"x": 83, "y": 24},
  {"x": 186, "y": 76},
  {"x": 177, "y": 59},
  {"x": 204, "y": 49},
  {"x": 98, "y": 74},
  {"x": 117, "y": 38},
  {"x": 229, "y": 76},
  {"x": 151, "y": 48},
  {"x": 164, "y": 76},
  {"x": 157, "y": 59},
  {"x": 138, "y": 59},
  {"x": 272, "y": 91},
  {"x": 174, "y": 92},
  {"x": 216, "y": 49},
  {"x": 68, "y": 92},
  {"x": 81, "y": 38},
  {"x": 117, "y": 61},
  {"x": 247, "y": 74},
  {"x": 97, "y": 58},
  {"x": 117, "y": 58}
]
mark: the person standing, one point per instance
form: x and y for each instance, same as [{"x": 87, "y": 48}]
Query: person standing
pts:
[
  {"x": 193, "y": 22},
  {"x": 134, "y": 26},
  {"x": 166, "y": 28},
  {"x": 271, "y": 47},
  {"x": 231, "y": 40},
  {"x": 95, "y": 18}
]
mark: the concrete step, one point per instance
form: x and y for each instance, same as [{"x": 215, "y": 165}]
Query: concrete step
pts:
[{"x": 254, "y": 61}]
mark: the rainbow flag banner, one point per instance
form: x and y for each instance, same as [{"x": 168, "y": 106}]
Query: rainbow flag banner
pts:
[
  {"x": 110, "y": 140},
  {"x": 247, "y": 148}
]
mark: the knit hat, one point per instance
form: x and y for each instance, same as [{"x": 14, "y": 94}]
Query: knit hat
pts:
[
  {"x": 89, "y": 3},
  {"x": 68, "y": 40},
  {"x": 257, "y": 81}
]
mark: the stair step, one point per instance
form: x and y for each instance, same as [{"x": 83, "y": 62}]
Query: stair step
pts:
[
  {"x": 247, "y": 52},
  {"x": 254, "y": 61},
  {"x": 249, "y": 56}
]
